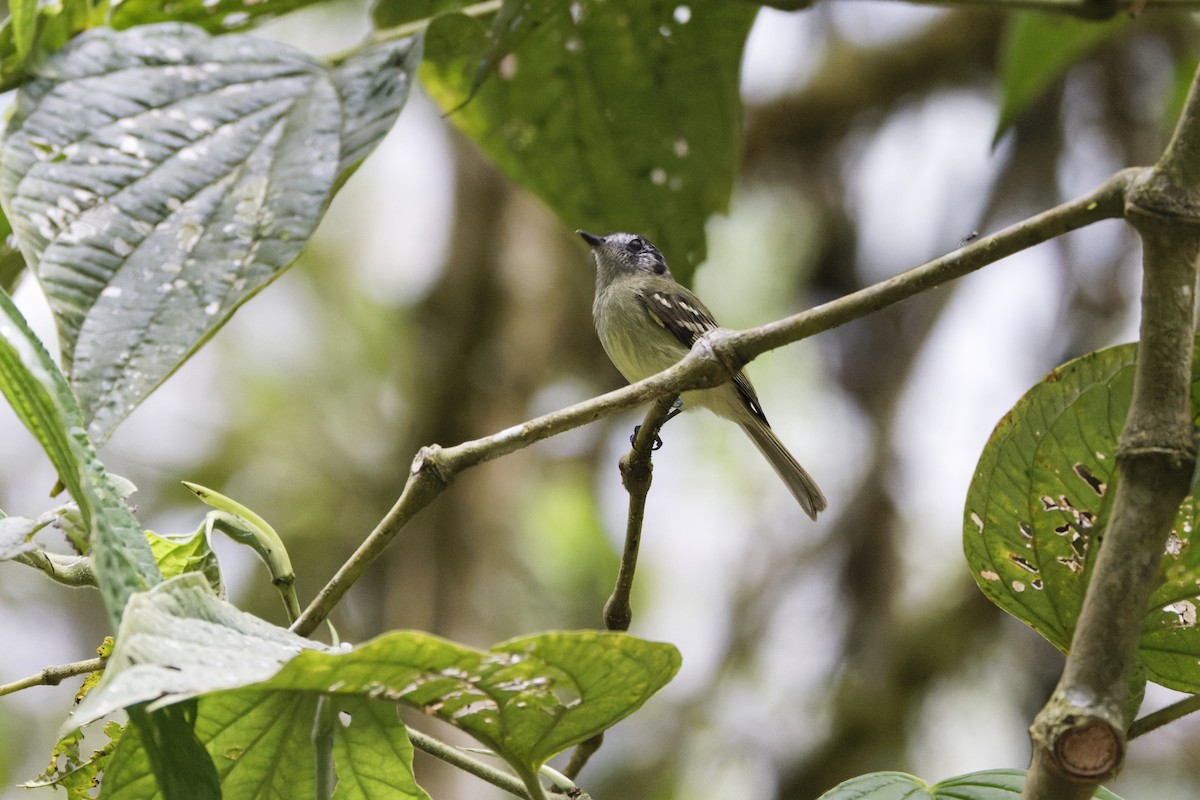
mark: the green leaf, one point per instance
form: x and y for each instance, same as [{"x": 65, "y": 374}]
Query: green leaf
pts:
[
  {"x": 24, "y": 25},
  {"x": 372, "y": 753},
  {"x": 44, "y": 403},
  {"x": 394, "y": 13},
  {"x": 158, "y": 178},
  {"x": 998, "y": 784},
  {"x": 182, "y": 767},
  {"x": 178, "y": 553},
  {"x": 215, "y": 16},
  {"x": 1038, "y": 50},
  {"x": 621, "y": 115},
  {"x": 527, "y": 699},
  {"x": 1039, "y": 501},
  {"x": 70, "y": 769},
  {"x": 180, "y": 640}
]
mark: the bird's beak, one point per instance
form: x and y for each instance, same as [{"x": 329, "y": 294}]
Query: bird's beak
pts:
[{"x": 592, "y": 239}]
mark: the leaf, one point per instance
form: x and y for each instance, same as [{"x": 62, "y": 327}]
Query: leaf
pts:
[
  {"x": 35, "y": 30},
  {"x": 372, "y": 753},
  {"x": 182, "y": 767},
  {"x": 998, "y": 784},
  {"x": 71, "y": 770},
  {"x": 527, "y": 699},
  {"x": 1038, "y": 50},
  {"x": 15, "y": 535},
  {"x": 39, "y": 395},
  {"x": 394, "y": 13},
  {"x": 158, "y": 178},
  {"x": 214, "y": 16},
  {"x": 24, "y": 25},
  {"x": 178, "y": 553},
  {"x": 1039, "y": 502},
  {"x": 512, "y": 25},
  {"x": 623, "y": 115},
  {"x": 180, "y": 640}
]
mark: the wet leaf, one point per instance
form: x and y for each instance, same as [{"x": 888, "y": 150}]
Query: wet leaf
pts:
[
  {"x": 998, "y": 784},
  {"x": 620, "y": 115},
  {"x": 158, "y": 178},
  {"x": 1039, "y": 502}
]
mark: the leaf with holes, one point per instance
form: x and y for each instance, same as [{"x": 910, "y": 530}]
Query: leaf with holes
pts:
[
  {"x": 995, "y": 784},
  {"x": 1039, "y": 501},
  {"x": 158, "y": 178},
  {"x": 622, "y": 115}
]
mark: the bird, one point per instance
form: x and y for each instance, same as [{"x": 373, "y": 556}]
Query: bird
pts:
[{"x": 647, "y": 321}]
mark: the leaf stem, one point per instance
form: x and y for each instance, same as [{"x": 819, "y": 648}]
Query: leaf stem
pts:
[
  {"x": 1156, "y": 719},
  {"x": 456, "y": 757}
]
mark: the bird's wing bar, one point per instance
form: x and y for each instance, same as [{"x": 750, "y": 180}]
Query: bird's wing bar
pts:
[{"x": 688, "y": 320}]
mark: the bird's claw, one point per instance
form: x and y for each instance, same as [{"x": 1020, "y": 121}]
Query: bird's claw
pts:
[{"x": 655, "y": 445}]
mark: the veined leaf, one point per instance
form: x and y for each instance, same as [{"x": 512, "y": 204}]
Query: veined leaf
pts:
[
  {"x": 619, "y": 115},
  {"x": 158, "y": 178},
  {"x": 996, "y": 784},
  {"x": 1040, "y": 500}
]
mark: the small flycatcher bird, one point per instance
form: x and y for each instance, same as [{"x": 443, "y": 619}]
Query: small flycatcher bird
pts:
[{"x": 647, "y": 322}]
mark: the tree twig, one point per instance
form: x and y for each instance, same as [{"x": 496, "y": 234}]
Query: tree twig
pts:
[
  {"x": 1079, "y": 737},
  {"x": 714, "y": 359},
  {"x": 1156, "y": 719},
  {"x": 456, "y": 757},
  {"x": 52, "y": 676}
]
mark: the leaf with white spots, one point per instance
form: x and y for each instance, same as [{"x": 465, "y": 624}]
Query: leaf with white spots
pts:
[
  {"x": 619, "y": 115},
  {"x": 1040, "y": 499},
  {"x": 993, "y": 784},
  {"x": 158, "y": 178}
]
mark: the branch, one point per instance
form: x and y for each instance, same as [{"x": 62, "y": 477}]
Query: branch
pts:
[
  {"x": 1079, "y": 737},
  {"x": 53, "y": 676},
  {"x": 714, "y": 359},
  {"x": 74, "y": 571},
  {"x": 1156, "y": 719},
  {"x": 452, "y": 755}
]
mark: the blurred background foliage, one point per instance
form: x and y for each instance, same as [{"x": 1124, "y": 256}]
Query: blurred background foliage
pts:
[{"x": 440, "y": 303}]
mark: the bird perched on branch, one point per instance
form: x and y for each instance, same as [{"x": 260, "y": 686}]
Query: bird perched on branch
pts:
[{"x": 647, "y": 322}]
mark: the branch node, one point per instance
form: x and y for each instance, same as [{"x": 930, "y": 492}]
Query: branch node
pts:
[
  {"x": 429, "y": 466},
  {"x": 1089, "y": 750}
]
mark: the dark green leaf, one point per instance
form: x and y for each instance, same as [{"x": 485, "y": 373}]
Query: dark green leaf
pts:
[
  {"x": 215, "y": 16},
  {"x": 999, "y": 784},
  {"x": 1038, "y": 50},
  {"x": 44, "y": 403},
  {"x": 1039, "y": 502},
  {"x": 512, "y": 25},
  {"x": 394, "y": 13},
  {"x": 182, "y": 767},
  {"x": 620, "y": 115},
  {"x": 158, "y": 178}
]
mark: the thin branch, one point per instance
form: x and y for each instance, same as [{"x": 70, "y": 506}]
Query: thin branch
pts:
[
  {"x": 1084, "y": 9},
  {"x": 714, "y": 359},
  {"x": 52, "y": 676},
  {"x": 452, "y": 755},
  {"x": 1156, "y": 719}
]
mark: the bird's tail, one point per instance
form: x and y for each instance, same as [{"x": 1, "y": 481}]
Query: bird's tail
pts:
[{"x": 801, "y": 484}]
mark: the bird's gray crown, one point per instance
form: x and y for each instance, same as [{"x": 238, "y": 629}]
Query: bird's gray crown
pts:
[{"x": 628, "y": 253}]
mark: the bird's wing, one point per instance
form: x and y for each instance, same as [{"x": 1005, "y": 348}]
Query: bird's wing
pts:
[{"x": 687, "y": 319}]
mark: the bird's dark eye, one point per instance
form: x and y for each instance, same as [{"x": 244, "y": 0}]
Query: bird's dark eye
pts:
[{"x": 635, "y": 245}]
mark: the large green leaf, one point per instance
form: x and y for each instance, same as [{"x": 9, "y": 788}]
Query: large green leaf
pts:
[
  {"x": 1037, "y": 50},
  {"x": 261, "y": 744},
  {"x": 1039, "y": 502},
  {"x": 158, "y": 178},
  {"x": 996, "y": 784},
  {"x": 619, "y": 115},
  {"x": 526, "y": 699},
  {"x": 44, "y": 403}
]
